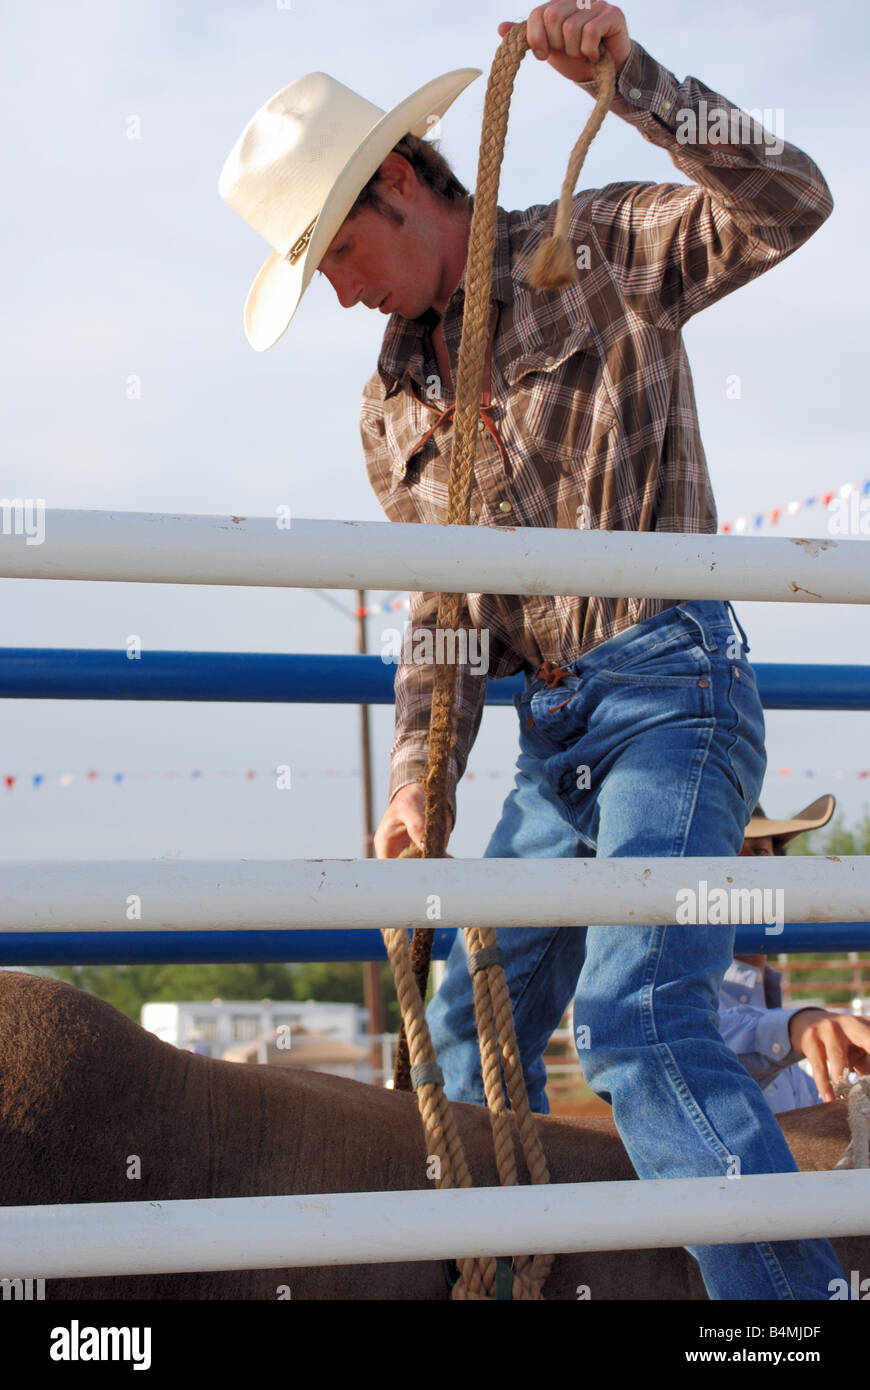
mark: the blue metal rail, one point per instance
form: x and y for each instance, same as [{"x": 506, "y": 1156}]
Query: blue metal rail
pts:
[
  {"x": 61, "y": 673},
  {"x": 235, "y": 947}
]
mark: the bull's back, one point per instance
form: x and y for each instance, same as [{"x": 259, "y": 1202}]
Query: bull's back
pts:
[{"x": 94, "y": 1109}]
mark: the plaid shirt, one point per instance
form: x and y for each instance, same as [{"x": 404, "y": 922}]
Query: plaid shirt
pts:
[{"x": 591, "y": 388}]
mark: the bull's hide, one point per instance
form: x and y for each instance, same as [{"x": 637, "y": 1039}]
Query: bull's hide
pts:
[{"x": 83, "y": 1090}]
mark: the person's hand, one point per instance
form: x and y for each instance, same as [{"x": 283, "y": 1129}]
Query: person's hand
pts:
[
  {"x": 831, "y": 1040},
  {"x": 403, "y": 822},
  {"x": 567, "y": 35}
]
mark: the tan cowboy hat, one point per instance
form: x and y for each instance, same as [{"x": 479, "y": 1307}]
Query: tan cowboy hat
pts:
[
  {"x": 297, "y": 169},
  {"x": 817, "y": 814}
]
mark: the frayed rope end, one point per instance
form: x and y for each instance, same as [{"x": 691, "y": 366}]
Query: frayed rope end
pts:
[{"x": 553, "y": 266}]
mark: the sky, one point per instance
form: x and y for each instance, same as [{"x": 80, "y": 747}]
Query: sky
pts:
[{"x": 121, "y": 260}]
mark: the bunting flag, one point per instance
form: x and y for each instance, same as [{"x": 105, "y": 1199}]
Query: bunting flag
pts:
[
  {"x": 371, "y": 610},
  {"x": 34, "y": 781},
  {"x": 856, "y": 496}
]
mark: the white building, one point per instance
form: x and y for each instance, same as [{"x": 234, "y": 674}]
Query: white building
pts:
[{"x": 214, "y": 1028}]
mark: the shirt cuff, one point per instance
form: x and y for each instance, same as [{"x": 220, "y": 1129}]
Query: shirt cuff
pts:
[
  {"x": 409, "y": 765},
  {"x": 643, "y": 86},
  {"x": 772, "y": 1037}
]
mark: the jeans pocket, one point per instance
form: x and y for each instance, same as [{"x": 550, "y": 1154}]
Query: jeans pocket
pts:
[
  {"x": 672, "y": 661},
  {"x": 746, "y": 752},
  {"x": 551, "y": 708}
]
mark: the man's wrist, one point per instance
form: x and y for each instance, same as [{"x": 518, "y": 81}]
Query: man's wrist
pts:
[
  {"x": 807, "y": 1023},
  {"x": 643, "y": 88},
  {"x": 629, "y": 62}
]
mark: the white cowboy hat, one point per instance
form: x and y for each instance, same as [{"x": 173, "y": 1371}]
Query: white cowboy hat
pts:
[{"x": 297, "y": 169}]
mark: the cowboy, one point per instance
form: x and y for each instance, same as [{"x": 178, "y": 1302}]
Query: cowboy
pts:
[
  {"x": 641, "y": 730},
  {"x": 769, "y": 1039}
]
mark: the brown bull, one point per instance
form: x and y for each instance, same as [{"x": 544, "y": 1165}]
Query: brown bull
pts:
[{"x": 82, "y": 1088}]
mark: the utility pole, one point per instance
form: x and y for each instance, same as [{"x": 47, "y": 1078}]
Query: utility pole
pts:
[{"x": 373, "y": 994}]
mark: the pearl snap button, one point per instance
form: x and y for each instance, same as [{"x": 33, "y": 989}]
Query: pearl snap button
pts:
[
  {"x": 634, "y": 93},
  {"x": 744, "y": 998},
  {"x": 777, "y": 1047},
  {"x": 481, "y": 426},
  {"x": 548, "y": 361},
  {"x": 505, "y": 506}
]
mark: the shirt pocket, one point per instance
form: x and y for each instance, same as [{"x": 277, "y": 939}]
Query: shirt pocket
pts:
[
  {"x": 559, "y": 399},
  {"x": 417, "y": 463}
]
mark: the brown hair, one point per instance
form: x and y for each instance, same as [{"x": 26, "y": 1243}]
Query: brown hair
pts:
[{"x": 431, "y": 169}]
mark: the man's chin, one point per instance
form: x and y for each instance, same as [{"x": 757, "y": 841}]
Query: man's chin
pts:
[{"x": 421, "y": 311}]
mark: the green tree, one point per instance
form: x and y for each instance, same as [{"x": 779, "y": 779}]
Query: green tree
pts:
[
  {"x": 834, "y": 838},
  {"x": 128, "y": 987}
]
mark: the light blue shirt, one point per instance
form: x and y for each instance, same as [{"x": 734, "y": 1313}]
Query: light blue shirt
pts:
[{"x": 759, "y": 1035}]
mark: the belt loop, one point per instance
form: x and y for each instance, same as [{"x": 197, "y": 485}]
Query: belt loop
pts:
[
  {"x": 729, "y": 605},
  {"x": 693, "y": 618}
]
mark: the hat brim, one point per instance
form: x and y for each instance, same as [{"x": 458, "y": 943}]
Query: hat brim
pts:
[
  {"x": 279, "y": 286},
  {"x": 812, "y": 817}
]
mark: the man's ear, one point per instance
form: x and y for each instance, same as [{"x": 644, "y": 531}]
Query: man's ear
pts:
[{"x": 397, "y": 172}]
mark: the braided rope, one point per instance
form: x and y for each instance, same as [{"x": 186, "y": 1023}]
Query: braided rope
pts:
[{"x": 553, "y": 267}]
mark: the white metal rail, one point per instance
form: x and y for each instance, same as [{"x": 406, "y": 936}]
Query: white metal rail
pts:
[
  {"x": 110, "y": 1238},
  {"x": 153, "y": 548},
  {"x": 306, "y": 894}
]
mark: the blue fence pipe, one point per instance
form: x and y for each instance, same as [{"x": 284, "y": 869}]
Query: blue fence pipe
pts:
[
  {"x": 238, "y": 947},
  {"x": 46, "y": 673}
]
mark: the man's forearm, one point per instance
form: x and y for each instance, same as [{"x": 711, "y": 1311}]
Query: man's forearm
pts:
[{"x": 716, "y": 143}]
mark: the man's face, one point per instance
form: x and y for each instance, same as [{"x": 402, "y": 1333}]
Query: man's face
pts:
[
  {"x": 761, "y": 845},
  {"x": 373, "y": 261},
  {"x": 397, "y": 266}
]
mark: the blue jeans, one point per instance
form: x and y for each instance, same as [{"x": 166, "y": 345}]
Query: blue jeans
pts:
[{"x": 652, "y": 747}]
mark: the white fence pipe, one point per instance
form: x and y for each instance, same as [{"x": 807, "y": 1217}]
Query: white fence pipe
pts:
[
  {"x": 153, "y": 548},
  {"x": 174, "y": 895},
  {"x": 105, "y": 1238}
]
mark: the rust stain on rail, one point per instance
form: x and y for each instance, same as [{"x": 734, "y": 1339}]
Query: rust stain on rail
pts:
[{"x": 812, "y": 546}]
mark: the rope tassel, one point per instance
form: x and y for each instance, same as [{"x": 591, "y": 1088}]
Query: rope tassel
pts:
[{"x": 555, "y": 265}]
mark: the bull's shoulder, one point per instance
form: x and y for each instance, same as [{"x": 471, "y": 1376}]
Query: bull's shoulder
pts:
[
  {"x": 53, "y": 1032},
  {"x": 75, "y": 1071}
]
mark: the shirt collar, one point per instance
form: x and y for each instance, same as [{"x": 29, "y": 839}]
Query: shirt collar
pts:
[
  {"x": 767, "y": 982},
  {"x": 402, "y": 347}
]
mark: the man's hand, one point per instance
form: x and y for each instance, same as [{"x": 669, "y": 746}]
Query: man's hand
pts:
[
  {"x": 567, "y": 34},
  {"x": 831, "y": 1040},
  {"x": 403, "y": 822}
]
